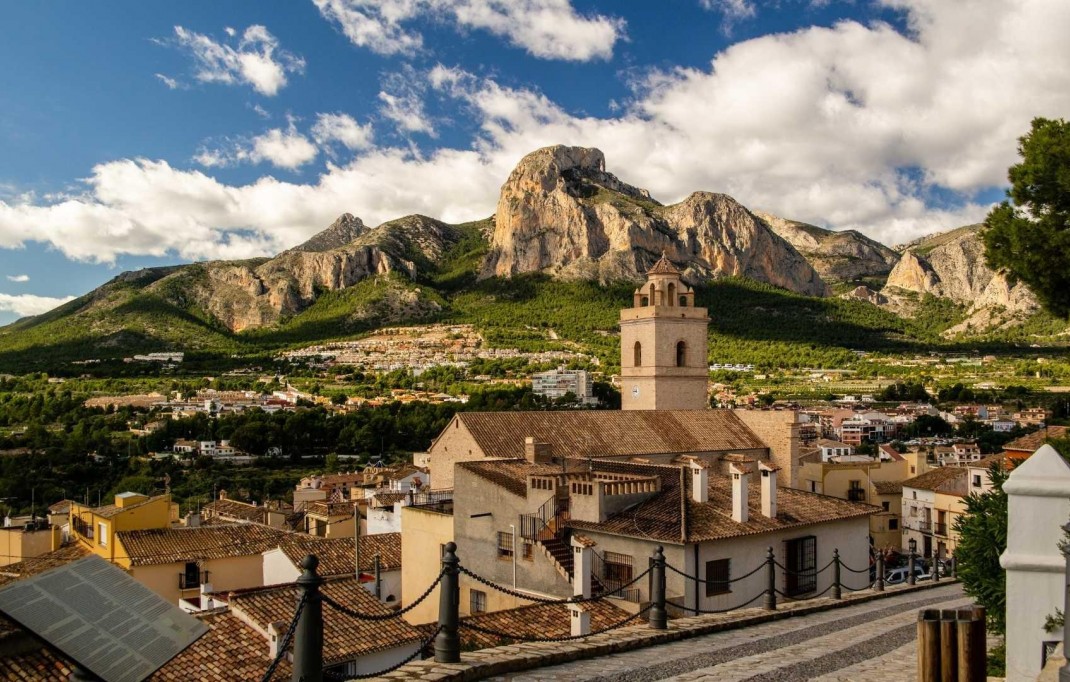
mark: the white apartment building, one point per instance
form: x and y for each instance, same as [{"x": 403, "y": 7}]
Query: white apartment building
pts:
[{"x": 555, "y": 383}]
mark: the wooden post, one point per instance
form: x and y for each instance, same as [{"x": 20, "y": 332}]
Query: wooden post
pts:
[
  {"x": 948, "y": 645},
  {"x": 929, "y": 645},
  {"x": 972, "y": 648}
]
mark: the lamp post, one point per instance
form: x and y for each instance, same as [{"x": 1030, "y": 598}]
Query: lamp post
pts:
[{"x": 912, "y": 545}]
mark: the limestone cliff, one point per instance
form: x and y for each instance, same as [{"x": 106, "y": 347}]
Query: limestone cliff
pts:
[
  {"x": 561, "y": 213},
  {"x": 244, "y": 294},
  {"x": 951, "y": 265},
  {"x": 836, "y": 255}
]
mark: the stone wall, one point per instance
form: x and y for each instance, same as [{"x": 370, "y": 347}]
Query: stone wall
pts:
[{"x": 779, "y": 430}]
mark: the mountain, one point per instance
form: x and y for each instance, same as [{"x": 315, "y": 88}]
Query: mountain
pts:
[
  {"x": 338, "y": 234},
  {"x": 951, "y": 265},
  {"x": 562, "y": 214},
  {"x": 836, "y": 255}
]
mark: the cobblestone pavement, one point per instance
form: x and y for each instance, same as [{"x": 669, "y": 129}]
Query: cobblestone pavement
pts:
[{"x": 869, "y": 641}]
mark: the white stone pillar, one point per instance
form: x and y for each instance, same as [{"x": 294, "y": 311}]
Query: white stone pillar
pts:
[
  {"x": 581, "y": 620},
  {"x": 582, "y": 566},
  {"x": 1038, "y": 504}
]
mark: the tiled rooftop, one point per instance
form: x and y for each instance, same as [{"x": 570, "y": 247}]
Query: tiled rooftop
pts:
[
  {"x": 171, "y": 545},
  {"x": 1030, "y": 442},
  {"x": 538, "y": 620},
  {"x": 888, "y": 487},
  {"x": 231, "y": 650},
  {"x": 942, "y": 479},
  {"x": 107, "y": 511},
  {"x": 344, "y": 637},
  {"x": 336, "y": 554},
  {"x": 28, "y": 567},
  {"x": 610, "y": 433},
  {"x": 234, "y": 509}
]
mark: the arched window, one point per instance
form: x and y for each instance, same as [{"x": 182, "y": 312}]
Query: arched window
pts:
[
  {"x": 644, "y": 301},
  {"x": 683, "y": 301},
  {"x": 681, "y": 354},
  {"x": 637, "y": 360},
  {"x": 672, "y": 294},
  {"x": 653, "y": 295}
]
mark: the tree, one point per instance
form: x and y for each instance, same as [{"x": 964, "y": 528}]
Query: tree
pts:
[
  {"x": 982, "y": 539},
  {"x": 1030, "y": 239}
]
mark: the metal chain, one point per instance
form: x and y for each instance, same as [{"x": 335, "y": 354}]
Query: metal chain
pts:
[
  {"x": 745, "y": 604},
  {"x": 848, "y": 568},
  {"x": 544, "y": 600},
  {"x": 386, "y": 616},
  {"x": 564, "y": 638},
  {"x": 285, "y": 642},
  {"x": 860, "y": 589},
  {"x": 808, "y": 596},
  {"x": 805, "y": 572},
  {"x": 408, "y": 659},
  {"x": 707, "y": 581}
]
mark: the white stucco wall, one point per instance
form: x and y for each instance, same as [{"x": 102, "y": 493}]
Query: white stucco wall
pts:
[
  {"x": 1038, "y": 505},
  {"x": 278, "y": 568},
  {"x": 384, "y": 520}
]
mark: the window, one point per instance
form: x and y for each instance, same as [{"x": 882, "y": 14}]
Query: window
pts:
[
  {"x": 887, "y": 506},
  {"x": 718, "y": 573},
  {"x": 813, "y": 486},
  {"x": 801, "y": 555},
  {"x": 681, "y": 354},
  {"x": 672, "y": 294},
  {"x": 912, "y": 472},
  {"x": 893, "y": 524},
  {"x": 505, "y": 545},
  {"x": 102, "y": 538},
  {"x": 977, "y": 480},
  {"x": 683, "y": 301},
  {"x": 477, "y": 602},
  {"x": 637, "y": 355},
  {"x": 618, "y": 569},
  {"x": 190, "y": 577},
  {"x": 528, "y": 554}
]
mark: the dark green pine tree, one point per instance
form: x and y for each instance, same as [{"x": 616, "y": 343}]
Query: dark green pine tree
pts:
[{"x": 982, "y": 539}]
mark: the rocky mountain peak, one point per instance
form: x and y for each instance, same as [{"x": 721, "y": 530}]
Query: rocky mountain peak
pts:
[
  {"x": 561, "y": 213},
  {"x": 837, "y": 255},
  {"x": 339, "y": 233}
]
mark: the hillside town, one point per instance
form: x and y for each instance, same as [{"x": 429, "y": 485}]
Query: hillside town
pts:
[{"x": 549, "y": 504}]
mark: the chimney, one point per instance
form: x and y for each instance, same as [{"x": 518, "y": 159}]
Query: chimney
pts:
[
  {"x": 193, "y": 520},
  {"x": 222, "y": 494},
  {"x": 740, "y": 490},
  {"x": 275, "y": 631},
  {"x": 768, "y": 488},
  {"x": 537, "y": 453},
  {"x": 700, "y": 481}
]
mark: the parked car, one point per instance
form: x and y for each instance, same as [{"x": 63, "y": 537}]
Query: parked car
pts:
[{"x": 898, "y": 576}]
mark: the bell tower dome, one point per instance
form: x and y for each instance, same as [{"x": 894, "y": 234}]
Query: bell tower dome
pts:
[{"x": 663, "y": 345}]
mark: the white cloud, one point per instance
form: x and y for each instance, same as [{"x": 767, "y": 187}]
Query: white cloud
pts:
[
  {"x": 171, "y": 83},
  {"x": 256, "y": 60},
  {"x": 848, "y": 126},
  {"x": 260, "y": 111},
  {"x": 18, "y": 278},
  {"x": 732, "y": 9},
  {"x": 549, "y": 29},
  {"x": 341, "y": 128},
  {"x": 402, "y": 98},
  {"x": 281, "y": 148},
  {"x": 28, "y": 304}
]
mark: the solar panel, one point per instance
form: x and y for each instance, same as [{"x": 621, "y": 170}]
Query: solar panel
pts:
[{"x": 101, "y": 618}]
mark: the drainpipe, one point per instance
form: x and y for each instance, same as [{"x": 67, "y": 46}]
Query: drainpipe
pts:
[
  {"x": 695, "y": 582},
  {"x": 512, "y": 527}
]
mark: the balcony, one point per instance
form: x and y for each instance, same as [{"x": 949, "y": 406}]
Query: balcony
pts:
[
  {"x": 920, "y": 526},
  {"x": 940, "y": 529},
  {"x": 856, "y": 495},
  {"x": 191, "y": 580}
]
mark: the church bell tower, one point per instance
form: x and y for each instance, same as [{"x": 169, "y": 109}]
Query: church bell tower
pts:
[{"x": 663, "y": 345}]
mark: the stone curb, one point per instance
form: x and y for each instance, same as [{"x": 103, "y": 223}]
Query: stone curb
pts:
[{"x": 513, "y": 658}]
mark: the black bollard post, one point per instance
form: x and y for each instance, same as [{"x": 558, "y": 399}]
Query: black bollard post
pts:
[
  {"x": 447, "y": 641},
  {"x": 658, "y": 617},
  {"x": 954, "y": 568},
  {"x": 308, "y": 637},
  {"x": 910, "y": 568},
  {"x": 770, "y": 591},
  {"x": 378, "y": 578},
  {"x": 837, "y": 588},
  {"x": 880, "y": 572},
  {"x": 936, "y": 568}
]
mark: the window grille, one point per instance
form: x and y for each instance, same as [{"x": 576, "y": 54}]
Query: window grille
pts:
[
  {"x": 505, "y": 545},
  {"x": 801, "y": 555},
  {"x": 477, "y": 602}
]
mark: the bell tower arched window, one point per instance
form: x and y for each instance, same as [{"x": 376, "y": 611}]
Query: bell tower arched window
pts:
[
  {"x": 672, "y": 294},
  {"x": 637, "y": 359},
  {"x": 681, "y": 354}
]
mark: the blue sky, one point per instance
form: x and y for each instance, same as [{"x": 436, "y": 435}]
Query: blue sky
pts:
[{"x": 136, "y": 134}]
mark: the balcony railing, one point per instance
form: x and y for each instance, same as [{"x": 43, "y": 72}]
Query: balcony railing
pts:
[
  {"x": 940, "y": 529},
  {"x": 921, "y": 526},
  {"x": 856, "y": 495},
  {"x": 192, "y": 581}
]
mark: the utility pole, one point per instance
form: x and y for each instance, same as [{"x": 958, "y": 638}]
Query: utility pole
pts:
[{"x": 356, "y": 542}]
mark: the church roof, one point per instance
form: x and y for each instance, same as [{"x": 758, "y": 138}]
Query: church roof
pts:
[
  {"x": 610, "y": 433},
  {"x": 663, "y": 267}
]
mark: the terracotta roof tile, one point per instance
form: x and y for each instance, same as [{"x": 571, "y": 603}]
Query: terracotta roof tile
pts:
[
  {"x": 28, "y": 567},
  {"x": 511, "y": 474},
  {"x": 664, "y": 266},
  {"x": 170, "y": 545},
  {"x": 539, "y": 620},
  {"x": 233, "y": 509},
  {"x": 941, "y": 479},
  {"x": 336, "y": 554},
  {"x": 24, "y": 658},
  {"x": 610, "y": 433},
  {"x": 344, "y": 637},
  {"x": 107, "y": 511},
  {"x": 230, "y": 650},
  {"x": 888, "y": 487},
  {"x": 1032, "y": 441},
  {"x": 660, "y": 518}
]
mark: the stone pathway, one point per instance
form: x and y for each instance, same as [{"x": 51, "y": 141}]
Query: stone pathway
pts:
[{"x": 869, "y": 641}]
